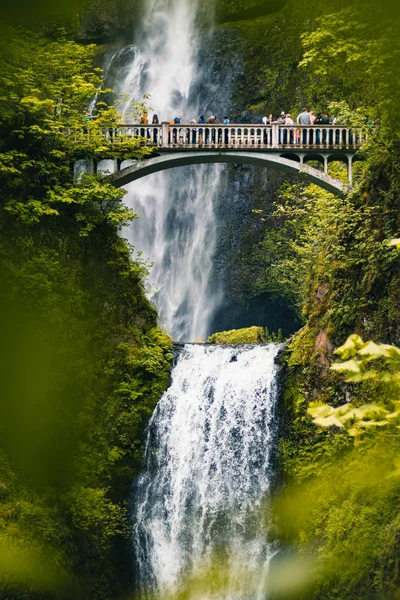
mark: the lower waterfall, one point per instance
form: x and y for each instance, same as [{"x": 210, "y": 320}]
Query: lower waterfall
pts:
[{"x": 201, "y": 500}]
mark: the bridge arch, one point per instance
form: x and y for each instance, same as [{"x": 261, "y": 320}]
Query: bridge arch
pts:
[{"x": 170, "y": 160}]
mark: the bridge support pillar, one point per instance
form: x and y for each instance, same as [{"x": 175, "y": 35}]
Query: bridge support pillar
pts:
[
  {"x": 326, "y": 165},
  {"x": 350, "y": 168},
  {"x": 81, "y": 167}
]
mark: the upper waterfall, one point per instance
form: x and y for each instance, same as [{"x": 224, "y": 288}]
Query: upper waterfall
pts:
[
  {"x": 208, "y": 473},
  {"x": 165, "y": 63},
  {"x": 176, "y": 230}
]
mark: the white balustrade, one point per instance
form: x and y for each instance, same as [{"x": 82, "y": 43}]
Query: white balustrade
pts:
[{"x": 295, "y": 137}]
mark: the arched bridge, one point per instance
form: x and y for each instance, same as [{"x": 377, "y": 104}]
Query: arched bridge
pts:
[{"x": 287, "y": 148}]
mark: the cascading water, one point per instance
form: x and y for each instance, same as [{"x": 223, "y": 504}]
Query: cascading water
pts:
[
  {"x": 201, "y": 497},
  {"x": 177, "y": 226}
]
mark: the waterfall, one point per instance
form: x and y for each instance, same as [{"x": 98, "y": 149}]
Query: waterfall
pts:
[
  {"x": 201, "y": 499},
  {"x": 176, "y": 230}
]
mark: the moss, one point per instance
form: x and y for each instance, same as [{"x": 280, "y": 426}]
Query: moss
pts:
[
  {"x": 250, "y": 335},
  {"x": 238, "y": 10}
]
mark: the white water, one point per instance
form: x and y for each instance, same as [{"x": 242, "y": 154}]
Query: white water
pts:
[
  {"x": 177, "y": 228},
  {"x": 208, "y": 475}
]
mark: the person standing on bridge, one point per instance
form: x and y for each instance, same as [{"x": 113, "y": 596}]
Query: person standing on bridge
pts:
[
  {"x": 325, "y": 136},
  {"x": 192, "y": 133},
  {"x": 281, "y": 121},
  {"x": 282, "y": 118},
  {"x": 304, "y": 118},
  {"x": 317, "y": 122},
  {"x": 201, "y": 130},
  {"x": 267, "y": 121},
  {"x": 288, "y": 134},
  {"x": 226, "y": 131},
  {"x": 155, "y": 121},
  {"x": 288, "y": 120}
]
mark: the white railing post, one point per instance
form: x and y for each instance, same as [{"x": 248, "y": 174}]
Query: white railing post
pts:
[
  {"x": 275, "y": 135},
  {"x": 165, "y": 127}
]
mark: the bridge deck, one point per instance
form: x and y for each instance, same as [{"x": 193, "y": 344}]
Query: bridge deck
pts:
[{"x": 283, "y": 147}]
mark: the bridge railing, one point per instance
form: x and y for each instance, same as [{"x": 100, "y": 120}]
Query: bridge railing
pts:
[
  {"x": 242, "y": 136},
  {"x": 151, "y": 133}
]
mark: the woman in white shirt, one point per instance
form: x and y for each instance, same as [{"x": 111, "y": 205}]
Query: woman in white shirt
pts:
[{"x": 289, "y": 120}]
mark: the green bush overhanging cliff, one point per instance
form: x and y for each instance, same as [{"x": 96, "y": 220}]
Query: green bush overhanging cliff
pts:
[{"x": 82, "y": 361}]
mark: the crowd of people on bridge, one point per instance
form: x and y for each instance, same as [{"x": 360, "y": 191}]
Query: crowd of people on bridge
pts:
[
  {"x": 309, "y": 128},
  {"x": 306, "y": 117}
]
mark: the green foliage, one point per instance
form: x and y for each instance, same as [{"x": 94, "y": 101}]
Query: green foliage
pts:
[
  {"x": 355, "y": 52},
  {"x": 82, "y": 362},
  {"x": 349, "y": 502},
  {"x": 42, "y": 12},
  {"x": 46, "y": 86},
  {"x": 271, "y": 49},
  {"x": 343, "y": 493},
  {"x": 334, "y": 259},
  {"x": 104, "y": 21},
  {"x": 250, "y": 335},
  {"x": 229, "y": 10},
  {"x": 360, "y": 357}
]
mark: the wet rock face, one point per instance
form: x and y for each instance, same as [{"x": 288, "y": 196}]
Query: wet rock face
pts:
[
  {"x": 243, "y": 188},
  {"x": 220, "y": 67},
  {"x": 239, "y": 231}
]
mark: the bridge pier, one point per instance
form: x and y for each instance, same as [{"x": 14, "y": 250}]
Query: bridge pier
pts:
[
  {"x": 350, "y": 158},
  {"x": 107, "y": 165},
  {"x": 84, "y": 166}
]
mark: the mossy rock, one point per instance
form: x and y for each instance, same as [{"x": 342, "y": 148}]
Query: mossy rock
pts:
[
  {"x": 249, "y": 335},
  {"x": 238, "y": 10}
]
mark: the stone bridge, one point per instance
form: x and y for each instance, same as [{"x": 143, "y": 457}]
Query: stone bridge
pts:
[{"x": 287, "y": 148}]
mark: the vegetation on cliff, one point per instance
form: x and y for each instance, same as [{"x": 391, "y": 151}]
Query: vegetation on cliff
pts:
[
  {"x": 332, "y": 259},
  {"x": 82, "y": 361}
]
